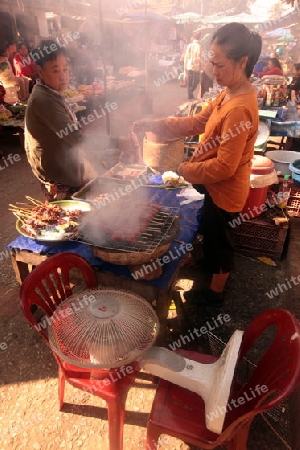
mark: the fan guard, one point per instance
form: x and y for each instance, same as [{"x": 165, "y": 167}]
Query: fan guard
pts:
[{"x": 103, "y": 328}]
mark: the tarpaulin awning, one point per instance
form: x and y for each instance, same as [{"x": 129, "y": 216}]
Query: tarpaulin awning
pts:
[
  {"x": 146, "y": 15},
  {"x": 188, "y": 17},
  {"x": 278, "y": 32}
]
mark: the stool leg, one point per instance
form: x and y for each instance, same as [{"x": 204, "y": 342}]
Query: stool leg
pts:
[
  {"x": 240, "y": 439},
  {"x": 116, "y": 414},
  {"x": 153, "y": 434},
  {"x": 61, "y": 386}
]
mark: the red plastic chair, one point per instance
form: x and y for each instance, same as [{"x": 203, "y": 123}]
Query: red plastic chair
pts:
[
  {"x": 46, "y": 287},
  {"x": 180, "y": 413}
]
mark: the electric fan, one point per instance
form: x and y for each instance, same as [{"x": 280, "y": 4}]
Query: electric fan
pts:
[{"x": 107, "y": 328}]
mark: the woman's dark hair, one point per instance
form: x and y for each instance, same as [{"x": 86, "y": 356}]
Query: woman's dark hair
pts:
[
  {"x": 48, "y": 50},
  {"x": 275, "y": 62},
  {"x": 297, "y": 66},
  {"x": 239, "y": 41}
]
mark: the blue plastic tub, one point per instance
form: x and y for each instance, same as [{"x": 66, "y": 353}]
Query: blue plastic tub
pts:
[{"x": 295, "y": 169}]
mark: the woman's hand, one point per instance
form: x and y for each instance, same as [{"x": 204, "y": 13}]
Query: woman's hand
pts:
[
  {"x": 142, "y": 125},
  {"x": 179, "y": 169}
]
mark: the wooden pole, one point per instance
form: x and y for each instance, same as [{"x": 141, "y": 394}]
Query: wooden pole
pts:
[
  {"x": 148, "y": 100},
  {"x": 107, "y": 115}
]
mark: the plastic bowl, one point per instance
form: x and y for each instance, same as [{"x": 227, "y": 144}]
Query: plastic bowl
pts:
[
  {"x": 282, "y": 159},
  {"x": 295, "y": 169}
]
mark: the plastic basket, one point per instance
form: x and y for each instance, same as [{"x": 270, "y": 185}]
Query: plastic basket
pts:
[
  {"x": 293, "y": 206},
  {"x": 163, "y": 156},
  {"x": 259, "y": 237}
]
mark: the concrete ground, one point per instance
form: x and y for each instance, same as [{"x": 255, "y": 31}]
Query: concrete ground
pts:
[{"x": 29, "y": 415}]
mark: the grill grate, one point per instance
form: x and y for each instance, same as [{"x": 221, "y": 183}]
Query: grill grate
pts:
[{"x": 158, "y": 232}]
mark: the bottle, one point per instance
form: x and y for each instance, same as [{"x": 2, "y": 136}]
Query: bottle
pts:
[
  {"x": 276, "y": 97},
  {"x": 284, "y": 193},
  {"x": 269, "y": 97}
]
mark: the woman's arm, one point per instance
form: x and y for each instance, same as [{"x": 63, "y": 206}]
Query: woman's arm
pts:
[
  {"x": 229, "y": 152},
  {"x": 173, "y": 127}
]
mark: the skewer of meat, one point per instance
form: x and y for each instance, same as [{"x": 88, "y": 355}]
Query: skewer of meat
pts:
[{"x": 34, "y": 201}]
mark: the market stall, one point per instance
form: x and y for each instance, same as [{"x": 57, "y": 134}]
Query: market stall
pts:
[
  {"x": 27, "y": 252},
  {"x": 12, "y": 116}
]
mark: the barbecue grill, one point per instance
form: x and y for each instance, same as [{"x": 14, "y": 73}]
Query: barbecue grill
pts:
[
  {"x": 107, "y": 328},
  {"x": 152, "y": 243}
]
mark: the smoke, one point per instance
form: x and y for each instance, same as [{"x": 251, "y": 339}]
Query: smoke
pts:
[{"x": 119, "y": 218}]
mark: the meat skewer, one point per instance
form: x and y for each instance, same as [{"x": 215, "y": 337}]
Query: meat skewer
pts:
[
  {"x": 34, "y": 201},
  {"x": 41, "y": 218}
]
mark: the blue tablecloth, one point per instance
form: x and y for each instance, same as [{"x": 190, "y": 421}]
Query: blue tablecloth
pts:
[{"x": 190, "y": 211}]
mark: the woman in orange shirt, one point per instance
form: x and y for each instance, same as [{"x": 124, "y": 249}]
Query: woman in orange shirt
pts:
[{"x": 221, "y": 164}]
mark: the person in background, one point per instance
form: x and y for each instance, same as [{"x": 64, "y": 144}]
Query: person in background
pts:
[
  {"x": 221, "y": 165},
  {"x": 192, "y": 59},
  {"x": 2, "y": 93},
  {"x": 293, "y": 143},
  {"x": 2, "y": 97},
  {"x": 207, "y": 77},
  {"x": 52, "y": 133},
  {"x": 83, "y": 64},
  {"x": 295, "y": 85},
  {"x": 23, "y": 64},
  {"x": 8, "y": 78},
  {"x": 261, "y": 65},
  {"x": 12, "y": 50},
  {"x": 273, "y": 68}
]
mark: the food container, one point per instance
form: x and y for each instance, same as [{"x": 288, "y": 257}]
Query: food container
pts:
[
  {"x": 262, "y": 167},
  {"x": 101, "y": 191},
  {"x": 126, "y": 173},
  {"x": 282, "y": 160},
  {"x": 295, "y": 169},
  {"x": 163, "y": 156}
]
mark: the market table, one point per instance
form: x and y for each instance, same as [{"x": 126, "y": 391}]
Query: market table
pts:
[
  {"x": 278, "y": 126},
  {"x": 285, "y": 128},
  {"x": 26, "y": 253}
]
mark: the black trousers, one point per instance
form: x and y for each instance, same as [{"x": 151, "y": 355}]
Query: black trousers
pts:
[
  {"x": 206, "y": 83},
  {"x": 193, "y": 81},
  {"x": 218, "y": 235}
]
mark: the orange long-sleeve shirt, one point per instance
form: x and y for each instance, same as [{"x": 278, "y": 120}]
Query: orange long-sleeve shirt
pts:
[{"x": 222, "y": 162}]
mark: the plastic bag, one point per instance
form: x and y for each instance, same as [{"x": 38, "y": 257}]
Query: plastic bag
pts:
[{"x": 183, "y": 80}]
